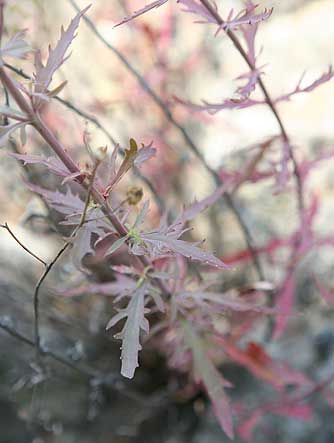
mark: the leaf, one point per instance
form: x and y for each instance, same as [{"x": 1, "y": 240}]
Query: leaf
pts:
[
  {"x": 259, "y": 363},
  {"x": 145, "y": 153},
  {"x": 15, "y": 47},
  {"x": 82, "y": 244},
  {"x": 56, "y": 58},
  {"x": 116, "y": 245},
  {"x": 324, "y": 78},
  {"x": 247, "y": 427},
  {"x": 149, "y": 7},
  {"x": 127, "y": 163},
  {"x": 67, "y": 204},
  {"x": 212, "y": 380},
  {"x": 195, "y": 7},
  {"x": 142, "y": 215},
  {"x": 130, "y": 334},
  {"x": 122, "y": 286},
  {"x": 213, "y": 108},
  {"x": 197, "y": 207},
  {"x": 245, "y": 17},
  {"x": 53, "y": 164},
  {"x": 226, "y": 301},
  {"x": 133, "y": 157},
  {"x": 165, "y": 243}
]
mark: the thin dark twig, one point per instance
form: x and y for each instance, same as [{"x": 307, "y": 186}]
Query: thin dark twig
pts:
[
  {"x": 56, "y": 258},
  {"x": 112, "y": 380},
  {"x": 36, "y": 295},
  {"x": 160, "y": 203},
  {"x": 5, "y": 226},
  {"x": 190, "y": 143}
]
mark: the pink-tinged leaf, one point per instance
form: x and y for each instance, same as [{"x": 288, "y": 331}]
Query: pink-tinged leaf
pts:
[
  {"x": 213, "y": 108},
  {"x": 298, "y": 411},
  {"x": 249, "y": 35},
  {"x": 142, "y": 215},
  {"x": 131, "y": 156},
  {"x": 285, "y": 300},
  {"x": 72, "y": 207},
  {"x": 225, "y": 301},
  {"x": 44, "y": 74},
  {"x": 82, "y": 244},
  {"x": 130, "y": 334},
  {"x": 149, "y": 7},
  {"x": 53, "y": 164},
  {"x": 197, "y": 207},
  {"x": 116, "y": 245},
  {"x": 259, "y": 363},
  {"x": 144, "y": 154},
  {"x": 327, "y": 295},
  {"x": 15, "y": 47},
  {"x": 164, "y": 244},
  {"x": 122, "y": 286},
  {"x": 246, "y": 17},
  {"x": 324, "y": 78},
  {"x": 67, "y": 204},
  {"x": 208, "y": 375},
  {"x": 195, "y": 7},
  {"x": 247, "y": 427}
]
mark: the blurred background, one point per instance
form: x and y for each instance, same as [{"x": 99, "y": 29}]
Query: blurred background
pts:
[{"x": 177, "y": 58}]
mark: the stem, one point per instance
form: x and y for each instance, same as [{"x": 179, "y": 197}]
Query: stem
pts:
[
  {"x": 5, "y": 226},
  {"x": 220, "y": 22},
  {"x": 158, "y": 200},
  {"x": 60, "y": 150},
  {"x": 188, "y": 140}
]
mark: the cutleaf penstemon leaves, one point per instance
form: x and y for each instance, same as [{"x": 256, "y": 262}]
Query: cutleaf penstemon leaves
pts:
[
  {"x": 130, "y": 334},
  {"x": 208, "y": 375},
  {"x": 44, "y": 73}
]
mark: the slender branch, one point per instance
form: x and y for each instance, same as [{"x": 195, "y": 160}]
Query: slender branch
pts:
[
  {"x": 111, "y": 380},
  {"x": 5, "y": 226},
  {"x": 188, "y": 140},
  {"x": 57, "y": 257},
  {"x": 219, "y": 20}
]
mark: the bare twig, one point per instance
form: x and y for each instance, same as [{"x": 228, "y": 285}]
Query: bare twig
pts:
[
  {"x": 112, "y": 380},
  {"x": 36, "y": 295},
  {"x": 5, "y": 226},
  {"x": 188, "y": 140},
  {"x": 56, "y": 258}
]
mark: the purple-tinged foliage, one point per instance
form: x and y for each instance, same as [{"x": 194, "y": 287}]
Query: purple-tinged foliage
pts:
[
  {"x": 130, "y": 334},
  {"x": 245, "y": 17},
  {"x": 56, "y": 57},
  {"x": 149, "y": 268},
  {"x": 15, "y": 47},
  {"x": 149, "y": 7},
  {"x": 206, "y": 373}
]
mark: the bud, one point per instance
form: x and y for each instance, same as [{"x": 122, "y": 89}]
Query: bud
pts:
[{"x": 134, "y": 195}]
